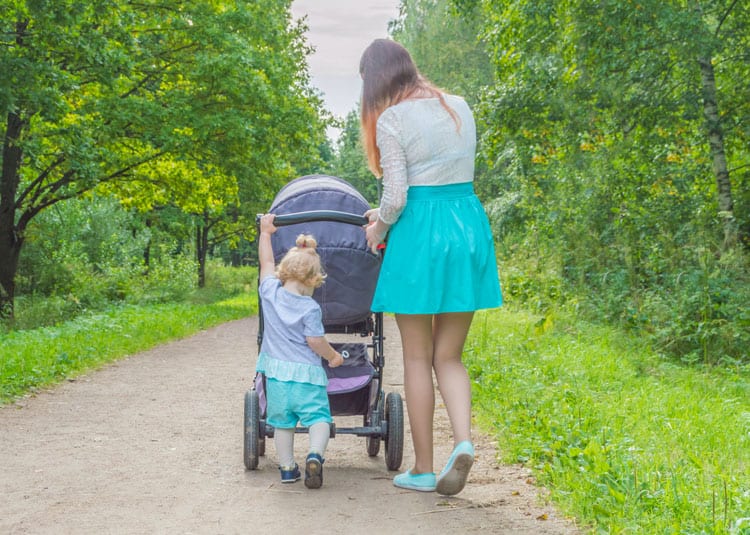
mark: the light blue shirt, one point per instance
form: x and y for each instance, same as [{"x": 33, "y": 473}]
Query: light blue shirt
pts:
[{"x": 288, "y": 319}]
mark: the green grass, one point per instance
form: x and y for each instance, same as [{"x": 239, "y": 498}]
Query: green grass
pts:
[
  {"x": 38, "y": 358},
  {"x": 626, "y": 442}
]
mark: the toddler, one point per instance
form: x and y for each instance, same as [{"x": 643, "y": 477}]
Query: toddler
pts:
[{"x": 293, "y": 344}]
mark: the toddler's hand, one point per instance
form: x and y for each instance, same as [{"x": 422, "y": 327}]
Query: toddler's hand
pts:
[
  {"x": 336, "y": 361},
  {"x": 266, "y": 223}
]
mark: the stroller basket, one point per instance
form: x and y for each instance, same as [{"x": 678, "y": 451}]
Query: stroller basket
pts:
[{"x": 349, "y": 391}]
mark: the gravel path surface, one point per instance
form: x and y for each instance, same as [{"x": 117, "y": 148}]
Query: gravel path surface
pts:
[{"x": 153, "y": 444}]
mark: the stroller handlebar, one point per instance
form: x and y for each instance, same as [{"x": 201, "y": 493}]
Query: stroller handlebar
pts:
[{"x": 318, "y": 215}]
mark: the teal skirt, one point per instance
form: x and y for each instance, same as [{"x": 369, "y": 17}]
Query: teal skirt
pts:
[{"x": 439, "y": 255}]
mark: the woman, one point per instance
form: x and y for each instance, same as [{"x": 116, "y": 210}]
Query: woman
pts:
[{"x": 439, "y": 265}]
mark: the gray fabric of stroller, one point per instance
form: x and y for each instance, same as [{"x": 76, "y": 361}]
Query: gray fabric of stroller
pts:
[{"x": 352, "y": 270}]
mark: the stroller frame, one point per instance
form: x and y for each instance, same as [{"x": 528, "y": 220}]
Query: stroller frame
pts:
[{"x": 384, "y": 417}]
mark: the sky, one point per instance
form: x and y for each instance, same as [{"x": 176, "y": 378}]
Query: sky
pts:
[{"x": 339, "y": 31}]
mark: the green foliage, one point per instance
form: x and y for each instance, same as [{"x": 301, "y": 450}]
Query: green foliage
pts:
[
  {"x": 223, "y": 281},
  {"x": 77, "y": 242},
  {"x": 350, "y": 163},
  {"x": 170, "y": 280},
  {"x": 460, "y": 64},
  {"x": 40, "y": 357},
  {"x": 701, "y": 314},
  {"x": 600, "y": 135},
  {"x": 202, "y": 105},
  {"x": 84, "y": 255},
  {"x": 625, "y": 441},
  {"x": 78, "y": 286}
]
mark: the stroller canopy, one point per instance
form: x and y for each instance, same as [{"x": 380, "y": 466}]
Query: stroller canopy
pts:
[{"x": 352, "y": 270}]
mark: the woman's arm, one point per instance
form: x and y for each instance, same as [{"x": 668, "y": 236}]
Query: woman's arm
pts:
[
  {"x": 395, "y": 183},
  {"x": 393, "y": 162}
]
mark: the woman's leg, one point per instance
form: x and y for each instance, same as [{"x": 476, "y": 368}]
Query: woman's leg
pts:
[
  {"x": 416, "y": 341},
  {"x": 449, "y": 336}
]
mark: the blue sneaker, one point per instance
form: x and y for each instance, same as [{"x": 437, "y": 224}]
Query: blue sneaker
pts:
[
  {"x": 314, "y": 471},
  {"x": 453, "y": 477},
  {"x": 421, "y": 482},
  {"x": 290, "y": 474}
]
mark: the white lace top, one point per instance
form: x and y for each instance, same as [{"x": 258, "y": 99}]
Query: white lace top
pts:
[{"x": 420, "y": 146}]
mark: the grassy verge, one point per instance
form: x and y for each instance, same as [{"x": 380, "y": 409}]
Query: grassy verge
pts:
[
  {"x": 37, "y": 358},
  {"x": 626, "y": 442}
]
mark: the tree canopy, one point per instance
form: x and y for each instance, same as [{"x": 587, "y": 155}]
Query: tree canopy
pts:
[{"x": 192, "y": 103}]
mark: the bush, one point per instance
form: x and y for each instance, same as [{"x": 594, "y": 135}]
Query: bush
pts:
[
  {"x": 170, "y": 279},
  {"x": 689, "y": 301},
  {"x": 702, "y": 315}
]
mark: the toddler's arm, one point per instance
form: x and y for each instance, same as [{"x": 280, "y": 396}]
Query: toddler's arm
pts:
[
  {"x": 320, "y": 345},
  {"x": 265, "y": 250}
]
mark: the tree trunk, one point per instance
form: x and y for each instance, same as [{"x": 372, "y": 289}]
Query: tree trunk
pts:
[
  {"x": 718, "y": 156},
  {"x": 11, "y": 237},
  {"x": 9, "y": 252},
  {"x": 236, "y": 257},
  {"x": 201, "y": 249},
  {"x": 147, "y": 250}
]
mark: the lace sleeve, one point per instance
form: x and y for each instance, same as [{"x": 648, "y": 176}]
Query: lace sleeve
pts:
[{"x": 393, "y": 162}]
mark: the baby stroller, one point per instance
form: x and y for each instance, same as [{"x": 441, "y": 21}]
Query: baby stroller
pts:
[{"x": 331, "y": 210}]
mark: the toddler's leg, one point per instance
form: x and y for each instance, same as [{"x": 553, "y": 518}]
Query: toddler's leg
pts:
[
  {"x": 284, "y": 440},
  {"x": 319, "y": 434}
]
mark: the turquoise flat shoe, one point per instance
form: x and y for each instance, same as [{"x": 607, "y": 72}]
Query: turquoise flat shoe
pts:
[
  {"x": 421, "y": 482},
  {"x": 453, "y": 477}
]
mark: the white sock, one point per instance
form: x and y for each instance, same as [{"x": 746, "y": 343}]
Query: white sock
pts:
[
  {"x": 319, "y": 434},
  {"x": 284, "y": 440}
]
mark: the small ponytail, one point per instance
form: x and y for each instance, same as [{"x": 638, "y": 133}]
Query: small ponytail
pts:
[
  {"x": 306, "y": 241},
  {"x": 302, "y": 263}
]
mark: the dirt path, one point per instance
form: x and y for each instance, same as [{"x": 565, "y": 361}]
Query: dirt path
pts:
[{"x": 153, "y": 444}]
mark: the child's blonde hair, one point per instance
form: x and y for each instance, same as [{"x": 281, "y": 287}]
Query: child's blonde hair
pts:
[{"x": 302, "y": 263}]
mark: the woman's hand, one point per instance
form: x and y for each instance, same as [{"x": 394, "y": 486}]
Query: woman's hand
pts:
[
  {"x": 375, "y": 231},
  {"x": 372, "y": 214}
]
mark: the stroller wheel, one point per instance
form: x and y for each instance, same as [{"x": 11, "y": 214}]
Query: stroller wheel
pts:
[
  {"x": 394, "y": 438},
  {"x": 375, "y": 419},
  {"x": 252, "y": 430}
]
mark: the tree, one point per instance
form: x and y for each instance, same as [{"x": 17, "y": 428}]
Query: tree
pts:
[
  {"x": 623, "y": 82},
  {"x": 446, "y": 47},
  {"x": 623, "y": 126},
  {"x": 157, "y": 103},
  {"x": 350, "y": 163}
]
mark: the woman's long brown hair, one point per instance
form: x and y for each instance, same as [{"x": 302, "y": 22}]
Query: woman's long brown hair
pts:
[{"x": 389, "y": 76}]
